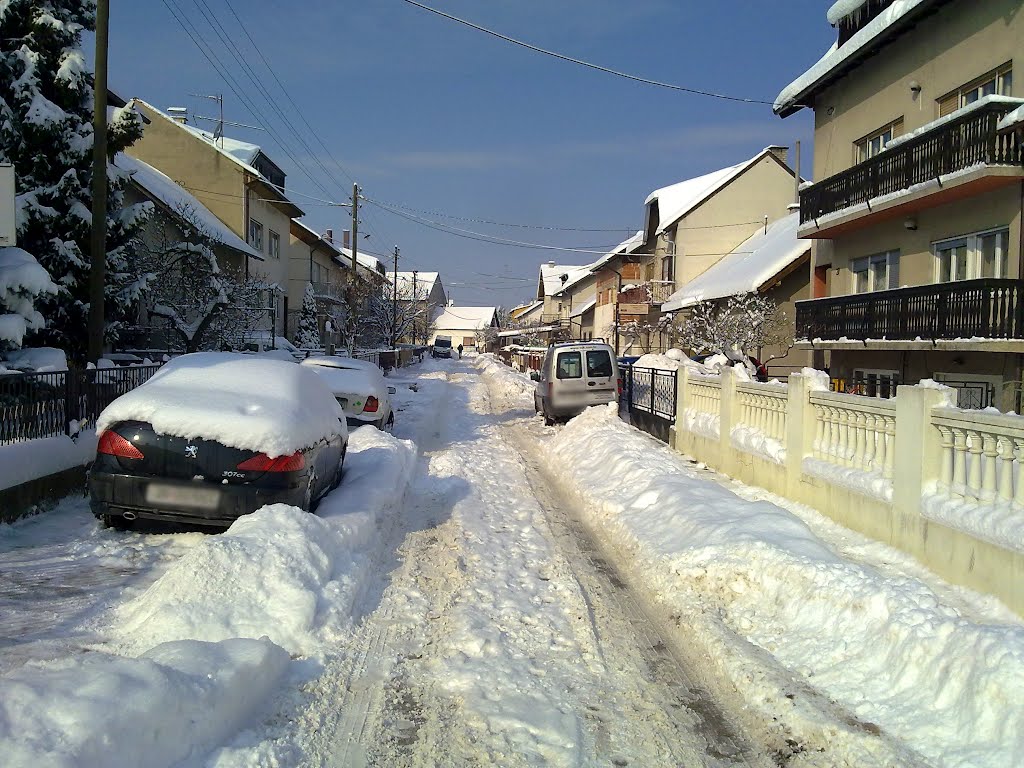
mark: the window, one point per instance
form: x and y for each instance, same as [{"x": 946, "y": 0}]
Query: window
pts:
[
  {"x": 274, "y": 245},
  {"x": 998, "y": 81},
  {"x": 599, "y": 364},
  {"x": 983, "y": 254},
  {"x": 256, "y": 235},
  {"x": 873, "y": 383},
  {"x": 570, "y": 366},
  {"x": 666, "y": 269},
  {"x": 875, "y": 142},
  {"x": 876, "y": 273}
]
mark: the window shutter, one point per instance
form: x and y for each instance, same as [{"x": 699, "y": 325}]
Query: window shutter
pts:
[{"x": 949, "y": 104}]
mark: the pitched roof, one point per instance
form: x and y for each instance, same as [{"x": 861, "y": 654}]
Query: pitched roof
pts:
[
  {"x": 422, "y": 282},
  {"x": 180, "y": 201},
  {"x": 677, "y": 200},
  {"x": 464, "y": 318},
  {"x": 551, "y": 275},
  {"x": 626, "y": 246},
  {"x": 751, "y": 265}
]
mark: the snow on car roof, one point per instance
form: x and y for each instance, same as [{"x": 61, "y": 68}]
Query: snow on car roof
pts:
[
  {"x": 337, "y": 361},
  {"x": 243, "y": 401},
  {"x": 349, "y": 381}
]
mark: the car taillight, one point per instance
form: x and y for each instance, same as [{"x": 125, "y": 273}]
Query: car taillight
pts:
[
  {"x": 371, "y": 405},
  {"x": 114, "y": 444},
  {"x": 263, "y": 463}
]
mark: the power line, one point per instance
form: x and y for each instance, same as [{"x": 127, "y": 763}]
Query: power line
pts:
[{"x": 582, "y": 63}]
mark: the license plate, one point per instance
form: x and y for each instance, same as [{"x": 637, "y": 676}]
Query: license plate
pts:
[{"x": 182, "y": 496}]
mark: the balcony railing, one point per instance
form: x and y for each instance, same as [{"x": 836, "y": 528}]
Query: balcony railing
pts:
[
  {"x": 951, "y": 146},
  {"x": 987, "y": 308},
  {"x": 651, "y": 292},
  {"x": 329, "y": 291}
]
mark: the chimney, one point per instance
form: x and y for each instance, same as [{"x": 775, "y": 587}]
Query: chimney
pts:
[
  {"x": 178, "y": 114},
  {"x": 346, "y": 238},
  {"x": 780, "y": 152},
  {"x": 551, "y": 263},
  {"x": 329, "y": 236}
]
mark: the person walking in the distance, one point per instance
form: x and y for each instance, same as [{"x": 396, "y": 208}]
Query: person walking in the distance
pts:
[{"x": 460, "y": 351}]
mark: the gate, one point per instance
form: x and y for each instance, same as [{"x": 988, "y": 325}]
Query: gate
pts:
[{"x": 651, "y": 397}]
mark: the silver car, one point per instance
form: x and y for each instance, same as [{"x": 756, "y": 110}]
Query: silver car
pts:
[{"x": 573, "y": 377}]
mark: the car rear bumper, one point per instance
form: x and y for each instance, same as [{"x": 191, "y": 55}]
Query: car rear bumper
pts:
[
  {"x": 117, "y": 494},
  {"x": 563, "y": 410}
]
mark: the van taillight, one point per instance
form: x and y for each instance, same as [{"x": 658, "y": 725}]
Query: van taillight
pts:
[
  {"x": 371, "y": 405},
  {"x": 114, "y": 444},
  {"x": 263, "y": 463}
]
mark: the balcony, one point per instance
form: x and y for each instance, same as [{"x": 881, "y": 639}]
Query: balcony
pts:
[
  {"x": 330, "y": 292},
  {"x": 970, "y": 141},
  {"x": 987, "y": 308},
  {"x": 652, "y": 292}
]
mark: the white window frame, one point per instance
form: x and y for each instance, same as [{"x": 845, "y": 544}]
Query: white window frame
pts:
[
  {"x": 256, "y": 235},
  {"x": 273, "y": 239},
  {"x": 972, "y": 243},
  {"x": 891, "y": 259},
  {"x": 870, "y": 145}
]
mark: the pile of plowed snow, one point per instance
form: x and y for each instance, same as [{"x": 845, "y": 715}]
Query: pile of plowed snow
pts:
[{"x": 516, "y": 388}]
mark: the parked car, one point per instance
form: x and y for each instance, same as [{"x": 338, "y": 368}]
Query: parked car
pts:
[
  {"x": 574, "y": 376},
  {"x": 262, "y": 342},
  {"x": 442, "y": 347},
  {"x": 359, "y": 387},
  {"x": 216, "y": 435}
]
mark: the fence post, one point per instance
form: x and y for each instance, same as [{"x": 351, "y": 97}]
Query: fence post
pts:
[
  {"x": 69, "y": 398},
  {"x": 682, "y": 387},
  {"x": 726, "y": 419},
  {"x": 800, "y": 428},
  {"x": 918, "y": 449}
]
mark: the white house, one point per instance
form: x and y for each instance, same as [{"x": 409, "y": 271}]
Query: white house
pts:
[{"x": 463, "y": 324}]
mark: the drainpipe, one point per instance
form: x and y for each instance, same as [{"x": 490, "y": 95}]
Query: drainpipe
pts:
[{"x": 245, "y": 218}]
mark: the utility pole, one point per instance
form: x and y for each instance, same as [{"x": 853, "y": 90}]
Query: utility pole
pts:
[
  {"x": 394, "y": 305},
  {"x": 415, "y": 306},
  {"x": 355, "y": 263},
  {"x": 98, "y": 241}
]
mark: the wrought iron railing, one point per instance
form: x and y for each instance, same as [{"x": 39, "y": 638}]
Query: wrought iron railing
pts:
[
  {"x": 651, "y": 398},
  {"x": 34, "y": 405},
  {"x": 329, "y": 291},
  {"x": 951, "y": 146},
  {"x": 988, "y": 308}
]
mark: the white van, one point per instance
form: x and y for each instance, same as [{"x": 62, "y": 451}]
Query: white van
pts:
[{"x": 573, "y": 377}]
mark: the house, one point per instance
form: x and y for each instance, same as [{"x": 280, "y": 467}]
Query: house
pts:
[
  {"x": 238, "y": 183},
  {"x": 176, "y": 211},
  {"x": 915, "y": 213},
  {"x": 772, "y": 262},
  {"x": 465, "y": 325},
  {"x": 552, "y": 282},
  {"x": 314, "y": 259},
  {"x": 689, "y": 226},
  {"x": 421, "y": 293}
]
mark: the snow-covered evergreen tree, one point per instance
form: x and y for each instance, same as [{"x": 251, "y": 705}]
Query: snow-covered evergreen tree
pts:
[
  {"x": 46, "y": 132},
  {"x": 22, "y": 280},
  {"x": 308, "y": 336}
]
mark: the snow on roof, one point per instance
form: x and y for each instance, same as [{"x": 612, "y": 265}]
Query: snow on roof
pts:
[
  {"x": 751, "y": 265},
  {"x": 242, "y": 151},
  {"x": 551, "y": 276},
  {"x": 837, "y": 55},
  {"x": 366, "y": 260},
  {"x": 463, "y": 318},
  {"x": 842, "y": 9},
  {"x": 243, "y": 401},
  {"x": 583, "y": 309},
  {"x": 628, "y": 245},
  {"x": 423, "y": 282},
  {"x": 679, "y": 199},
  {"x": 526, "y": 308},
  {"x": 178, "y": 199}
]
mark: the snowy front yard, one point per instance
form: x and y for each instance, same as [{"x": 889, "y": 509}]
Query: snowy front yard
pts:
[{"x": 482, "y": 589}]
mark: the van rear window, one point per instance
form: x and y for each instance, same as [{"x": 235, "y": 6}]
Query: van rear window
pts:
[
  {"x": 599, "y": 364},
  {"x": 570, "y": 365}
]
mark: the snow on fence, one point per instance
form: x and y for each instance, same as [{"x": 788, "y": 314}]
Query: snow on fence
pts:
[{"x": 944, "y": 484}]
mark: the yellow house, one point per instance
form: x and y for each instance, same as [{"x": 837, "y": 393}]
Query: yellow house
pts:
[
  {"x": 916, "y": 207},
  {"x": 238, "y": 183}
]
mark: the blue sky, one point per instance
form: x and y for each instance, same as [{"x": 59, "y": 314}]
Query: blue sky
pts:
[{"x": 441, "y": 119}]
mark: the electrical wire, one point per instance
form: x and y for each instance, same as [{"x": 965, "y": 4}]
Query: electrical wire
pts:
[{"x": 582, "y": 63}]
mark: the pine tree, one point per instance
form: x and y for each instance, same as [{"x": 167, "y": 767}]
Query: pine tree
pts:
[
  {"x": 46, "y": 132},
  {"x": 308, "y": 336}
]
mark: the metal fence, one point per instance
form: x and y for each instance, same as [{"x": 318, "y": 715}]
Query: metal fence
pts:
[
  {"x": 651, "y": 398},
  {"x": 34, "y": 405}
]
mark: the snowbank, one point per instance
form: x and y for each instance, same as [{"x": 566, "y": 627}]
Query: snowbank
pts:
[
  {"x": 32, "y": 459},
  {"x": 177, "y": 701},
  {"x": 279, "y": 572},
  {"x": 240, "y": 400},
  {"x": 516, "y": 388},
  {"x": 37, "y": 359},
  {"x": 886, "y": 650}
]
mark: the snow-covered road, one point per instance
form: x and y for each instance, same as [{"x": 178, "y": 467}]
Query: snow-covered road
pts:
[{"x": 484, "y": 590}]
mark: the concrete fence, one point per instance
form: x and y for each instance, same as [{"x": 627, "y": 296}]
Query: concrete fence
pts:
[{"x": 942, "y": 484}]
